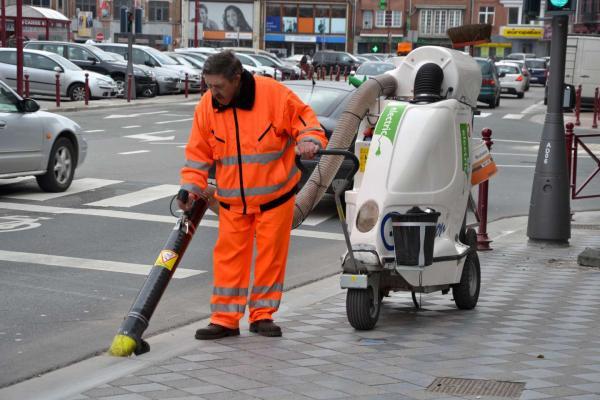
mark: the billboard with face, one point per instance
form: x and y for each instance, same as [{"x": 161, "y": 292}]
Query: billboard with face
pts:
[{"x": 228, "y": 17}]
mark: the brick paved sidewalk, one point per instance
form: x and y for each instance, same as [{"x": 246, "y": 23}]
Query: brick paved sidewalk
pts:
[{"x": 537, "y": 322}]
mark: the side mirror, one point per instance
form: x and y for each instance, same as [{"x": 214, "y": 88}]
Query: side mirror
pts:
[
  {"x": 58, "y": 70},
  {"x": 93, "y": 60},
  {"x": 29, "y": 105},
  {"x": 501, "y": 74},
  {"x": 149, "y": 63}
]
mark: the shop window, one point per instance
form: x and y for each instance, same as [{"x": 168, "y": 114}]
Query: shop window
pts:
[
  {"x": 306, "y": 12},
  {"x": 436, "y": 22},
  {"x": 396, "y": 19},
  {"x": 486, "y": 15},
  {"x": 513, "y": 15},
  {"x": 367, "y": 19},
  {"x": 290, "y": 11},
  {"x": 322, "y": 11},
  {"x": 86, "y": 5},
  {"x": 159, "y": 11},
  {"x": 117, "y": 4},
  {"x": 380, "y": 19},
  {"x": 338, "y": 12}
]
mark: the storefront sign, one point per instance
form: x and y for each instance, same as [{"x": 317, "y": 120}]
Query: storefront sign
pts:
[
  {"x": 522, "y": 32},
  {"x": 301, "y": 38},
  {"x": 242, "y": 35},
  {"x": 273, "y": 24}
]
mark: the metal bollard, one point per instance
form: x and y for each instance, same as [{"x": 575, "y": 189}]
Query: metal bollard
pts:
[
  {"x": 129, "y": 88},
  {"x": 578, "y": 105},
  {"x": 483, "y": 241},
  {"x": 345, "y": 73},
  {"x": 595, "y": 120},
  {"x": 331, "y": 73},
  {"x": 186, "y": 85},
  {"x": 86, "y": 97},
  {"x": 337, "y": 74},
  {"x": 311, "y": 72},
  {"x": 569, "y": 135},
  {"x": 26, "y": 85},
  {"x": 57, "y": 89}
]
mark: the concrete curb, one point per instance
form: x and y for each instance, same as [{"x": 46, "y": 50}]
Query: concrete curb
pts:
[{"x": 134, "y": 103}]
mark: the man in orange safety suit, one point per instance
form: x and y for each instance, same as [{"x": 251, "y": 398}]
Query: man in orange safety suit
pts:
[{"x": 250, "y": 128}]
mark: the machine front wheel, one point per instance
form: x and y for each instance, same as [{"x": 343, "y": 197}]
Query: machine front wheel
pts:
[
  {"x": 466, "y": 293},
  {"x": 361, "y": 309}
]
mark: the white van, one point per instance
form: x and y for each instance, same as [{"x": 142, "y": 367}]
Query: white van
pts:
[{"x": 582, "y": 65}]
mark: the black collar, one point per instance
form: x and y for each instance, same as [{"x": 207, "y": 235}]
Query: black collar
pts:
[{"x": 245, "y": 98}]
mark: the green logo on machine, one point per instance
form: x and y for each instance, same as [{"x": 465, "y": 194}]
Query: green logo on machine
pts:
[
  {"x": 387, "y": 126},
  {"x": 464, "y": 142}
]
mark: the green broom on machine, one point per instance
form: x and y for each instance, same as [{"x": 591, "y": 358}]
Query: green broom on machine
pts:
[{"x": 470, "y": 35}]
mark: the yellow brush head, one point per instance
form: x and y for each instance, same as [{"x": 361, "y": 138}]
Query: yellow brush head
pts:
[{"x": 122, "y": 346}]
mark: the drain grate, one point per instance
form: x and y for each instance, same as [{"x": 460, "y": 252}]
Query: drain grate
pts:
[
  {"x": 587, "y": 227},
  {"x": 477, "y": 387}
]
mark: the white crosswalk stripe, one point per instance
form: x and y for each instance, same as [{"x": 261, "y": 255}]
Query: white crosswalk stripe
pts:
[
  {"x": 138, "y": 197},
  {"x": 513, "y": 116},
  {"x": 78, "y": 186},
  {"x": 483, "y": 115}
]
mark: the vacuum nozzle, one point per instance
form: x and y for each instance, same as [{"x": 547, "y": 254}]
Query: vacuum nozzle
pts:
[{"x": 428, "y": 83}]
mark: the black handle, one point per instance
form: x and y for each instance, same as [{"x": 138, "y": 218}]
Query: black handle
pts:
[{"x": 347, "y": 154}]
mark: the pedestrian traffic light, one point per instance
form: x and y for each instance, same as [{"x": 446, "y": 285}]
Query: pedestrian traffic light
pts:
[
  {"x": 374, "y": 49},
  {"x": 123, "y": 19},
  {"x": 382, "y": 4},
  {"x": 129, "y": 21},
  {"x": 560, "y": 5},
  {"x": 138, "y": 20},
  {"x": 531, "y": 8}
]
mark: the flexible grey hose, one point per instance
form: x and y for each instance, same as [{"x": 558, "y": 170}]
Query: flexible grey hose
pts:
[{"x": 342, "y": 137}]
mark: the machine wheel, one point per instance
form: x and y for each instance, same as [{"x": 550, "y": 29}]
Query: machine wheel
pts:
[
  {"x": 470, "y": 239},
  {"x": 61, "y": 167},
  {"x": 466, "y": 293},
  {"x": 361, "y": 309}
]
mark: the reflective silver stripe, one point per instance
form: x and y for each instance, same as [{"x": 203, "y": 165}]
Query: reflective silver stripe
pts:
[
  {"x": 223, "y": 291},
  {"x": 201, "y": 166},
  {"x": 278, "y": 287},
  {"x": 261, "y": 158},
  {"x": 316, "y": 128},
  {"x": 313, "y": 140},
  {"x": 264, "y": 304},
  {"x": 234, "y": 308},
  {"x": 192, "y": 187},
  {"x": 256, "y": 191}
]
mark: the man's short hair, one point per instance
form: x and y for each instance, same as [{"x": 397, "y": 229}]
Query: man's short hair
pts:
[{"x": 224, "y": 63}]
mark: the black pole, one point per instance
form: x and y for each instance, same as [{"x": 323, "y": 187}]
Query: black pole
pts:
[
  {"x": 549, "y": 210},
  {"x": 19, "y": 44},
  {"x": 130, "y": 41}
]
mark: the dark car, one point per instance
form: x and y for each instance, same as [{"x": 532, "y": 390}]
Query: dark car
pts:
[
  {"x": 538, "y": 70},
  {"x": 490, "y": 83},
  {"x": 93, "y": 59},
  {"x": 330, "y": 58}
]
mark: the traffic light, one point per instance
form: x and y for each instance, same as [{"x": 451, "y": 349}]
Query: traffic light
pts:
[
  {"x": 382, "y": 4},
  {"x": 138, "y": 20},
  {"x": 560, "y": 5},
  {"x": 374, "y": 49},
  {"x": 123, "y": 19},
  {"x": 129, "y": 21},
  {"x": 531, "y": 8}
]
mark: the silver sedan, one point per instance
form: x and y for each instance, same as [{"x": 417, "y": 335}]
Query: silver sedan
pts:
[
  {"x": 42, "y": 67},
  {"x": 33, "y": 142}
]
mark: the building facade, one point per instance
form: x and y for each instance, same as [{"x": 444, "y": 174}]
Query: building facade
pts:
[{"x": 380, "y": 25}]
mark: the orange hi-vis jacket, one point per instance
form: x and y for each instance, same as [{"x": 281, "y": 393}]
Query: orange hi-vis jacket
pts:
[{"x": 252, "y": 142}]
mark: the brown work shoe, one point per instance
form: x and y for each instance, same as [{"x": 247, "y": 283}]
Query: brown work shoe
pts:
[
  {"x": 214, "y": 331},
  {"x": 265, "y": 327}
]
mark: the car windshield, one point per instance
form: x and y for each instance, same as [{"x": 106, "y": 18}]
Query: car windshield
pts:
[
  {"x": 486, "y": 67},
  {"x": 507, "y": 69},
  {"x": 535, "y": 64},
  {"x": 160, "y": 56},
  {"x": 323, "y": 100},
  {"x": 370, "y": 68},
  {"x": 265, "y": 60},
  {"x": 192, "y": 62}
]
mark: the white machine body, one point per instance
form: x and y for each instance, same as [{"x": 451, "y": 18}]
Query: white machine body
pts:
[{"x": 419, "y": 155}]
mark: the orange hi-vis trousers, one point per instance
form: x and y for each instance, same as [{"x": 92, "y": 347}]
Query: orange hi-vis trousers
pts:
[{"x": 232, "y": 261}]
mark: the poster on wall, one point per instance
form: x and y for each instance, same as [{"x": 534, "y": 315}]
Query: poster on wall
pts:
[
  {"x": 273, "y": 24},
  {"x": 85, "y": 23},
  {"x": 338, "y": 25},
  {"x": 322, "y": 25},
  {"x": 104, "y": 9},
  {"x": 290, "y": 24},
  {"x": 229, "y": 17}
]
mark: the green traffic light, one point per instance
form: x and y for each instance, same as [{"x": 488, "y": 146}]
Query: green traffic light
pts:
[
  {"x": 559, "y": 3},
  {"x": 375, "y": 49}
]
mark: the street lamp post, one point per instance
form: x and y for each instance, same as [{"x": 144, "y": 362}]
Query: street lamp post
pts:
[
  {"x": 196, "y": 18},
  {"x": 19, "y": 44},
  {"x": 3, "y": 22}
]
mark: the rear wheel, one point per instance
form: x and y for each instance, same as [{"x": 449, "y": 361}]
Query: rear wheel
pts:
[
  {"x": 466, "y": 292},
  {"x": 361, "y": 309},
  {"x": 61, "y": 167}
]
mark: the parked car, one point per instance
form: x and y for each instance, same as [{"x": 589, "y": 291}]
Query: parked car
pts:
[
  {"x": 372, "y": 56},
  {"x": 511, "y": 78},
  {"x": 288, "y": 72},
  {"x": 538, "y": 70},
  {"x": 169, "y": 80},
  {"x": 193, "y": 65},
  {"x": 254, "y": 65},
  {"x": 330, "y": 58},
  {"x": 185, "y": 59},
  {"x": 490, "y": 83},
  {"x": 524, "y": 71},
  {"x": 520, "y": 56},
  {"x": 373, "y": 68},
  {"x": 42, "y": 67},
  {"x": 33, "y": 142},
  {"x": 199, "y": 57},
  {"x": 296, "y": 58},
  {"x": 200, "y": 50},
  {"x": 94, "y": 59}
]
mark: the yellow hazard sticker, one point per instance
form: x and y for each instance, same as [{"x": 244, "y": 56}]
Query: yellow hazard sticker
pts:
[
  {"x": 364, "y": 153},
  {"x": 166, "y": 259}
]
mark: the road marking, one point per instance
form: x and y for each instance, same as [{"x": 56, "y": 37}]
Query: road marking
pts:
[
  {"x": 94, "y": 131},
  {"x": 515, "y": 166},
  {"x": 172, "y": 144},
  {"x": 14, "y": 223},
  {"x": 181, "y": 147},
  {"x": 78, "y": 186},
  {"x": 138, "y": 197},
  {"x": 115, "y": 116},
  {"x": 176, "y": 115},
  {"x": 148, "y": 137},
  {"x": 126, "y": 153},
  {"x": 131, "y": 126},
  {"x": 12, "y": 181},
  {"x": 189, "y": 103},
  {"x": 515, "y": 141},
  {"x": 90, "y": 264},
  {"x": 531, "y": 108},
  {"x": 96, "y": 212},
  {"x": 483, "y": 115},
  {"x": 316, "y": 218},
  {"x": 513, "y": 116},
  {"x": 174, "y": 120}
]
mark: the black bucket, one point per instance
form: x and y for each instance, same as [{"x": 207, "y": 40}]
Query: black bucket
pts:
[{"x": 414, "y": 234}]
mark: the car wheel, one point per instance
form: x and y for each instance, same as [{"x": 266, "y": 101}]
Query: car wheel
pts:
[
  {"x": 149, "y": 91},
  {"x": 120, "y": 82},
  {"x": 61, "y": 167},
  {"x": 492, "y": 104},
  {"x": 77, "y": 92},
  {"x": 520, "y": 95}
]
